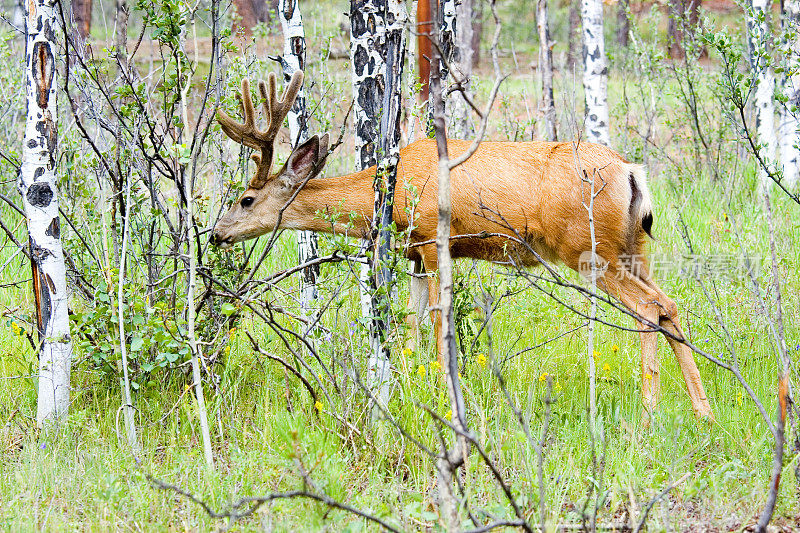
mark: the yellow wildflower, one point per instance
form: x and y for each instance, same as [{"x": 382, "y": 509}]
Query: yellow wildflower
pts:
[
  {"x": 318, "y": 405},
  {"x": 558, "y": 386},
  {"x": 450, "y": 414},
  {"x": 615, "y": 348},
  {"x": 421, "y": 371},
  {"x": 595, "y": 354},
  {"x": 740, "y": 398},
  {"x": 648, "y": 375},
  {"x": 407, "y": 352},
  {"x": 16, "y": 329},
  {"x": 606, "y": 367},
  {"x": 482, "y": 360},
  {"x": 435, "y": 366},
  {"x": 227, "y": 349},
  {"x": 543, "y": 377},
  {"x": 232, "y": 331}
]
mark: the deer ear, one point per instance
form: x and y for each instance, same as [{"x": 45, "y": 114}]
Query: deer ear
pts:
[
  {"x": 324, "y": 141},
  {"x": 308, "y": 158}
]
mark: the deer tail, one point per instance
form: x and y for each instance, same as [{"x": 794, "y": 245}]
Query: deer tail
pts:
[{"x": 641, "y": 208}]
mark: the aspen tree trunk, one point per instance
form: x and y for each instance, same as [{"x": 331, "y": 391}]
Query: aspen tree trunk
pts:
[
  {"x": 789, "y": 126},
  {"x": 82, "y": 14},
  {"x": 376, "y": 28},
  {"x": 367, "y": 64},
  {"x": 683, "y": 18},
  {"x": 121, "y": 22},
  {"x": 595, "y": 72},
  {"x": 37, "y": 184},
  {"x": 294, "y": 58},
  {"x": 246, "y": 16},
  {"x": 546, "y": 71},
  {"x": 623, "y": 23},
  {"x": 447, "y": 44},
  {"x": 759, "y": 36},
  {"x": 412, "y": 76},
  {"x": 424, "y": 50},
  {"x": 385, "y": 180},
  {"x": 477, "y": 31},
  {"x": 575, "y": 37},
  {"x": 456, "y": 39}
]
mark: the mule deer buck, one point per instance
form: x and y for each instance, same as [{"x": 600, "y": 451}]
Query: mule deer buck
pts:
[{"x": 515, "y": 202}]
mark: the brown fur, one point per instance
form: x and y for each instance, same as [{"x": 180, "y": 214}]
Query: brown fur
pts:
[{"x": 528, "y": 191}]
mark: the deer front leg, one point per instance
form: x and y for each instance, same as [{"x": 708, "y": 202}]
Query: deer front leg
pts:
[
  {"x": 417, "y": 303},
  {"x": 669, "y": 321},
  {"x": 651, "y": 378},
  {"x": 431, "y": 265}
]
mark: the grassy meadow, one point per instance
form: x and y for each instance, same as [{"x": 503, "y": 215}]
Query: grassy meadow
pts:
[{"x": 269, "y": 435}]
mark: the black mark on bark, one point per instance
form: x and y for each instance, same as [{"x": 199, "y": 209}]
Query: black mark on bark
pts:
[
  {"x": 39, "y": 194},
  {"x": 42, "y": 71},
  {"x": 54, "y": 229}
]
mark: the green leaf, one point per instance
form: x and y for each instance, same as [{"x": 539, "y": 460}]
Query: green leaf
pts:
[{"x": 136, "y": 344}]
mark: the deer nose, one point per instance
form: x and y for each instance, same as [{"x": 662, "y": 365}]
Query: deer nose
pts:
[{"x": 217, "y": 240}]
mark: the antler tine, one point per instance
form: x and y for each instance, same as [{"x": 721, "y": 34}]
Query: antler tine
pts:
[
  {"x": 278, "y": 109},
  {"x": 247, "y": 107},
  {"x": 266, "y": 101},
  {"x": 244, "y": 133}
]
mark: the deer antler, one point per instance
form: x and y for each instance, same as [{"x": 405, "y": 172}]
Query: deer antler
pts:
[{"x": 248, "y": 134}]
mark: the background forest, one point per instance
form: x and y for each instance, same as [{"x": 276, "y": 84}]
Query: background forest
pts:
[{"x": 215, "y": 389}]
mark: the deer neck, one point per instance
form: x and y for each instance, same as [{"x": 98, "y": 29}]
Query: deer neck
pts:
[{"x": 325, "y": 204}]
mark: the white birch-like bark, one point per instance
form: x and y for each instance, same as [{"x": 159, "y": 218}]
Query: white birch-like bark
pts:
[
  {"x": 595, "y": 73},
  {"x": 367, "y": 25},
  {"x": 37, "y": 184},
  {"x": 764, "y": 106},
  {"x": 411, "y": 77},
  {"x": 789, "y": 113},
  {"x": 456, "y": 39},
  {"x": 460, "y": 112},
  {"x": 377, "y": 53},
  {"x": 546, "y": 70},
  {"x": 393, "y": 44},
  {"x": 366, "y": 63},
  {"x": 294, "y": 58}
]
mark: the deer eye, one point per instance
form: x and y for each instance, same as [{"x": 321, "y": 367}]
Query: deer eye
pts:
[{"x": 247, "y": 201}]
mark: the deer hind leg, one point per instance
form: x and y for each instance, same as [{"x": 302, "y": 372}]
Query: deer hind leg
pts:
[
  {"x": 417, "y": 303},
  {"x": 645, "y": 297},
  {"x": 640, "y": 300}
]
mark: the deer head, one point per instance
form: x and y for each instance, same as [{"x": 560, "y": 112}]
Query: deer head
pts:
[{"x": 259, "y": 209}]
